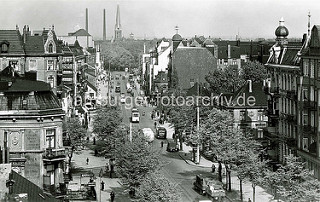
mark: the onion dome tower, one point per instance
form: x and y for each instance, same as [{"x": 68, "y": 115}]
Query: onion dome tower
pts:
[
  {"x": 176, "y": 39},
  {"x": 281, "y": 33}
]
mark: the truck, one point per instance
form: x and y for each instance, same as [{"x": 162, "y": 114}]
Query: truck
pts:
[{"x": 207, "y": 185}]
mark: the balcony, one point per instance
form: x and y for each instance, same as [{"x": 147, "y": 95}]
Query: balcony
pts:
[
  {"x": 275, "y": 91},
  {"x": 52, "y": 154},
  {"x": 309, "y": 129},
  {"x": 273, "y": 113},
  {"x": 309, "y": 105},
  {"x": 291, "y": 118},
  {"x": 292, "y": 94}
]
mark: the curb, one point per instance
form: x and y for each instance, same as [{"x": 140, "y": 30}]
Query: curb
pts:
[{"x": 187, "y": 161}]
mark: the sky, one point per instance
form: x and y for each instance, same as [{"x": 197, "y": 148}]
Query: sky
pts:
[{"x": 158, "y": 18}]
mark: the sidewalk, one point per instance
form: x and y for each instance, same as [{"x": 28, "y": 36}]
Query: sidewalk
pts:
[
  {"x": 95, "y": 165},
  {"x": 186, "y": 154}
]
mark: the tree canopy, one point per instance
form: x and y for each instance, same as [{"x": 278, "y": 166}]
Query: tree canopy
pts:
[
  {"x": 155, "y": 187},
  {"x": 75, "y": 130},
  {"x": 136, "y": 159}
]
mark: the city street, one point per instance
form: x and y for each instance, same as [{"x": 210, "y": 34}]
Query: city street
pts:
[{"x": 175, "y": 168}]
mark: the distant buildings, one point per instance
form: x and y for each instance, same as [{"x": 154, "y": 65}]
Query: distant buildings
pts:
[{"x": 84, "y": 39}]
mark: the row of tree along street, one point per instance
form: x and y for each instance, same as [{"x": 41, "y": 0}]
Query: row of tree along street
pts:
[
  {"x": 136, "y": 162},
  {"x": 238, "y": 150}
]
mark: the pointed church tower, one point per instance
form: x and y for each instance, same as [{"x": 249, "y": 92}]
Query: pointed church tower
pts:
[{"x": 117, "y": 28}]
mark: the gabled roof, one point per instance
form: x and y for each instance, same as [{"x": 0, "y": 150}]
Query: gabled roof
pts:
[
  {"x": 261, "y": 99},
  {"x": 13, "y": 37},
  {"x": 80, "y": 32}
]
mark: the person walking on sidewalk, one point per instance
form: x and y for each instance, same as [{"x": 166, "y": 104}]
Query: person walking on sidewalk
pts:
[
  {"x": 87, "y": 160},
  {"x": 112, "y": 196}
]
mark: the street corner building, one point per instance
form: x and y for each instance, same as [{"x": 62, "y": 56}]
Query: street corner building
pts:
[{"x": 31, "y": 130}]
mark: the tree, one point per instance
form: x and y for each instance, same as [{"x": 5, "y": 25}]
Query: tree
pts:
[
  {"x": 254, "y": 170},
  {"x": 76, "y": 133},
  {"x": 224, "y": 80},
  {"x": 136, "y": 159},
  {"x": 254, "y": 71},
  {"x": 106, "y": 121},
  {"x": 155, "y": 187},
  {"x": 293, "y": 182}
]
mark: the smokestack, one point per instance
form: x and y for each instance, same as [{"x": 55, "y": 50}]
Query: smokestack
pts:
[
  {"x": 104, "y": 25},
  {"x": 87, "y": 19}
]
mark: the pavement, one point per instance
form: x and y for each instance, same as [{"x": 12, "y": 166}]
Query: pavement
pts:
[
  {"x": 95, "y": 166},
  {"x": 186, "y": 155}
]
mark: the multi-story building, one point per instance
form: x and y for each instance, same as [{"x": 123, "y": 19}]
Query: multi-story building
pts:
[
  {"x": 248, "y": 106},
  {"x": 308, "y": 86},
  {"x": 282, "y": 88},
  {"x": 31, "y": 130}
]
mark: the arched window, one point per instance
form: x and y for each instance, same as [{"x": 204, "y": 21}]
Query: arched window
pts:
[
  {"x": 4, "y": 48},
  {"x": 50, "y": 48}
]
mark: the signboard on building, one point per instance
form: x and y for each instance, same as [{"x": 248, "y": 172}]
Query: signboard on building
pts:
[
  {"x": 15, "y": 141},
  {"x": 32, "y": 139}
]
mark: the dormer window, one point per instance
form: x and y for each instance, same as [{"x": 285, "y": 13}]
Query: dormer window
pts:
[
  {"x": 4, "y": 47},
  {"x": 50, "y": 48}
]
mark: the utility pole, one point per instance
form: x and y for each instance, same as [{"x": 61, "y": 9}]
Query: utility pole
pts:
[
  {"x": 198, "y": 132},
  {"x": 130, "y": 133}
]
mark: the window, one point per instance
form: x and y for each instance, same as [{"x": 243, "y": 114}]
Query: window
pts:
[
  {"x": 32, "y": 65},
  {"x": 305, "y": 120},
  {"x": 4, "y": 48},
  {"x": 305, "y": 67},
  {"x": 311, "y": 93},
  {"x": 50, "y": 48},
  {"x": 50, "y": 65},
  {"x": 305, "y": 144},
  {"x": 260, "y": 134},
  {"x": 311, "y": 68},
  {"x": 51, "y": 81},
  {"x": 312, "y": 119},
  {"x": 50, "y": 138},
  {"x": 305, "y": 95}
]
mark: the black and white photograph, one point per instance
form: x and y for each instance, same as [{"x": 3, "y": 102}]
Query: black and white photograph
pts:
[{"x": 159, "y": 101}]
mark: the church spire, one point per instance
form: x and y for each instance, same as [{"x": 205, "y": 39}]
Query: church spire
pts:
[
  {"x": 117, "y": 29},
  {"x": 309, "y": 16},
  {"x": 118, "y": 24}
]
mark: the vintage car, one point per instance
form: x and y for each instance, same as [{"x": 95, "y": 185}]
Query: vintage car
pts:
[{"x": 207, "y": 185}]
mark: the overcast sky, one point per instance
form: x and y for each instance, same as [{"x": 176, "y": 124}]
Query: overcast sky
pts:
[{"x": 157, "y": 18}]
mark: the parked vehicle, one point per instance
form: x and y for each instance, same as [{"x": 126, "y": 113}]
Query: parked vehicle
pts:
[
  {"x": 207, "y": 185},
  {"x": 161, "y": 133},
  {"x": 122, "y": 98},
  {"x": 172, "y": 146}
]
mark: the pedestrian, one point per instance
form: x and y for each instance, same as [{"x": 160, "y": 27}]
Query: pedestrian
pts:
[
  {"x": 161, "y": 143},
  {"x": 112, "y": 195},
  {"x": 102, "y": 185},
  {"x": 249, "y": 200},
  {"x": 155, "y": 125},
  {"x": 213, "y": 168},
  {"x": 87, "y": 160}
]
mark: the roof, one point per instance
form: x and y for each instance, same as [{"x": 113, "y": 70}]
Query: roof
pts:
[
  {"x": 257, "y": 92},
  {"x": 12, "y": 37},
  {"x": 223, "y": 52},
  {"x": 34, "y": 44},
  {"x": 177, "y": 37},
  {"x": 80, "y": 32},
  {"x": 92, "y": 86},
  {"x": 35, "y": 193},
  {"x": 192, "y": 63}
]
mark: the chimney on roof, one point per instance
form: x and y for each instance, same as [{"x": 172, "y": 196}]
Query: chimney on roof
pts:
[
  {"x": 52, "y": 27},
  {"x": 17, "y": 27},
  {"x": 24, "y": 34},
  {"x": 250, "y": 86},
  {"x": 304, "y": 38}
]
